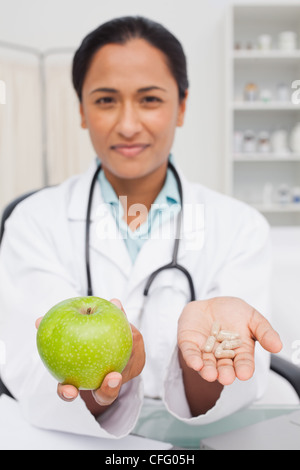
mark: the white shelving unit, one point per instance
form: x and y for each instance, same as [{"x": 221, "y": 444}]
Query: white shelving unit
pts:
[{"x": 253, "y": 175}]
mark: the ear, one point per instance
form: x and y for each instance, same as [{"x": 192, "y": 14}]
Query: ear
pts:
[
  {"x": 83, "y": 120},
  {"x": 181, "y": 110}
]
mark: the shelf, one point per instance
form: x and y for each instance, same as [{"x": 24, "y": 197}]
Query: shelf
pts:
[
  {"x": 262, "y": 106},
  {"x": 248, "y": 174},
  {"x": 265, "y": 157},
  {"x": 277, "y": 55},
  {"x": 278, "y": 208}
]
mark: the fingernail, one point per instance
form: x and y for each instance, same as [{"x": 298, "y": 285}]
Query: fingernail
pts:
[
  {"x": 67, "y": 396},
  {"x": 113, "y": 383},
  {"x": 116, "y": 302}
]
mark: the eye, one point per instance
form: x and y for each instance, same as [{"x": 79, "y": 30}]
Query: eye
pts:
[
  {"x": 151, "y": 100},
  {"x": 104, "y": 101}
]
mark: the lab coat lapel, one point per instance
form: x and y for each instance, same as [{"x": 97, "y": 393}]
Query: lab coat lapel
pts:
[
  {"x": 104, "y": 236},
  {"x": 154, "y": 253}
]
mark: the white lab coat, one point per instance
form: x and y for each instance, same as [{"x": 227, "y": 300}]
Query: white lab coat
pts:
[{"x": 224, "y": 245}]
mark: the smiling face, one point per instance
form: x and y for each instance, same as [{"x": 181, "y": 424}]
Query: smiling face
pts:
[{"x": 130, "y": 105}]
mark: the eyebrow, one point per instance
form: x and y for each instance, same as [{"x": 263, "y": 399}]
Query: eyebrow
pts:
[
  {"x": 140, "y": 90},
  {"x": 150, "y": 88}
]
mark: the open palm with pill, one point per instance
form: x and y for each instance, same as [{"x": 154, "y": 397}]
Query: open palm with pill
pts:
[{"x": 217, "y": 338}]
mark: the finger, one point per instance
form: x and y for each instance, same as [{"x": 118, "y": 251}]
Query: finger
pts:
[
  {"x": 191, "y": 354},
  {"x": 244, "y": 365},
  {"x": 109, "y": 390},
  {"x": 37, "y": 322},
  {"x": 67, "y": 392},
  {"x": 209, "y": 371},
  {"x": 264, "y": 333},
  {"x": 226, "y": 371}
]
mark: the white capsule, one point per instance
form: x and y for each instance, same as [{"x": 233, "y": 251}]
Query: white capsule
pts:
[
  {"x": 224, "y": 353},
  {"x": 227, "y": 335},
  {"x": 219, "y": 349},
  {"x": 215, "y": 329},
  {"x": 232, "y": 344},
  {"x": 209, "y": 346}
]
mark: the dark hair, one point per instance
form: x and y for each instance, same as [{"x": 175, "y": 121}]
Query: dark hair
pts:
[{"x": 121, "y": 30}]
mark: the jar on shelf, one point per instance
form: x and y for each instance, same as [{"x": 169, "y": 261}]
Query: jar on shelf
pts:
[
  {"x": 249, "y": 144},
  {"x": 265, "y": 42},
  {"x": 295, "y": 138},
  {"x": 296, "y": 195},
  {"x": 287, "y": 41},
  {"x": 266, "y": 95},
  {"x": 251, "y": 92},
  {"x": 284, "y": 194},
  {"x": 263, "y": 142},
  {"x": 283, "y": 92},
  {"x": 279, "y": 142}
]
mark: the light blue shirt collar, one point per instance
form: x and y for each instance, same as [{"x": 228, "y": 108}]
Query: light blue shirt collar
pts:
[
  {"x": 159, "y": 213},
  {"x": 168, "y": 194}
]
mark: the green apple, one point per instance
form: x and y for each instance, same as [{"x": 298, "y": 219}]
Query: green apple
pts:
[{"x": 82, "y": 339}]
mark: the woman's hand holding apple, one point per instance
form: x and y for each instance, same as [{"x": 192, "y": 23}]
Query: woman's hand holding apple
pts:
[{"x": 98, "y": 400}]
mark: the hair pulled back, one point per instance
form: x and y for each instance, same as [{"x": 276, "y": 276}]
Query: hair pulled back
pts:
[{"x": 121, "y": 30}]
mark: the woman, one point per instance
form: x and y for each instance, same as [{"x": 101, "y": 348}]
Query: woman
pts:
[{"x": 131, "y": 81}]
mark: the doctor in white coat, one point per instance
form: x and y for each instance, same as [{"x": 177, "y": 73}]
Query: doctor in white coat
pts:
[{"x": 131, "y": 81}]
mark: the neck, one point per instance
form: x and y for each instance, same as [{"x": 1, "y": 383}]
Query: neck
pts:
[{"x": 141, "y": 192}]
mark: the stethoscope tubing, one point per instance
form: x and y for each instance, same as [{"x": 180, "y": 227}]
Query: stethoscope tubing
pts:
[{"x": 172, "y": 265}]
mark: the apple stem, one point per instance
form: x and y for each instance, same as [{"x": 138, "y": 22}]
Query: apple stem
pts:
[{"x": 89, "y": 310}]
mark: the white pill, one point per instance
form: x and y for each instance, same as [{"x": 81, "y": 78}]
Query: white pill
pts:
[
  {"x": 224, "y": 353},
  {"x": 232, "y": 344},
  {"x": 227, "y": 335},
  {"x": 219, "y": 349},
  {"x": 209, "y": 346},
  {"x": 215, "y": 329}
]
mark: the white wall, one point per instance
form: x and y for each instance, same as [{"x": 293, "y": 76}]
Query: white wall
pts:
[{"x": 199, "y": 24}]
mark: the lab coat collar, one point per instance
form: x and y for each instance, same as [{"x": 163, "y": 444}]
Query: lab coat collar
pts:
[
  {"x": 103, "y": 232},
  {"x": 105, "y": 239},
  {"x": 80, "y": 193}
]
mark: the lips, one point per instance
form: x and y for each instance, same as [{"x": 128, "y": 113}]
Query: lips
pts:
[{"x": 130, "y": 150}]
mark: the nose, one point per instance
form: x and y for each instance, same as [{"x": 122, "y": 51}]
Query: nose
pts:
[{"x": 129, "y": 123}]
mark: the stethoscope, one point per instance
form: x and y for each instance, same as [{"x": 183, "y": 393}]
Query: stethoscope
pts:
[{"x": 172, "y": 265}]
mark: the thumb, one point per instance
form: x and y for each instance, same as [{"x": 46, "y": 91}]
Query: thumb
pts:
[
  {"x": 109, "y": 390},
  {"x": 264, "y": 333},
  {"x": 118, "y": 304},
  {"x": 37, "y": 322}
]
